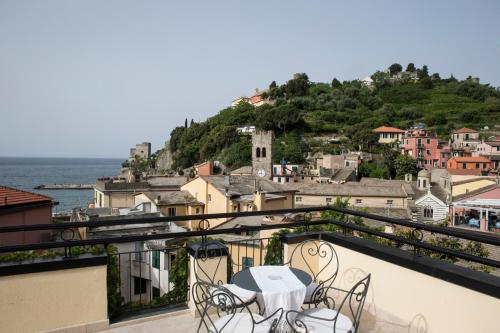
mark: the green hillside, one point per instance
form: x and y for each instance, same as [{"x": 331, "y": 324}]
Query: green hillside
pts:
[{"x": 302, "y": 111}]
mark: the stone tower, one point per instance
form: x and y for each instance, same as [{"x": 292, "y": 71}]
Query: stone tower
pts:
[
  {"x": 424, "y": 180},
  {"x": 262, "y": 159}
]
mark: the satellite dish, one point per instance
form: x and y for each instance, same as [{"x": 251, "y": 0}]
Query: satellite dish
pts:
[{"x": 261, "y": 173}]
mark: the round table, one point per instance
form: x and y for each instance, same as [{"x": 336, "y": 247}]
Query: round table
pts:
[{"x": 245, "y": 280}]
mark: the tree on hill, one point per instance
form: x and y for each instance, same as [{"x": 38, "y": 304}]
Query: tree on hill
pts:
[
  {"x": 436, "y": 76},
  {"x": 424, "y": 72},
  {"x": 395, "y": 68},
  {"x": 410, "y": 67},
  {"x": 404, "y": 164},
  {"x": 297, "y": 86},
  {"x": 426, "y": 83},
  {"x": 336, "y": 84}
]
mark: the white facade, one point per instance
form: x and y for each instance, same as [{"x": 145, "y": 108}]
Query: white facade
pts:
[
  {"x": 431, "y": 209},
  {"x": 144, "y": 275},
  {"x": 246, "y": 129}
]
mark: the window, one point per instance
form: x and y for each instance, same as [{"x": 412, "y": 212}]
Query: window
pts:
[
  {"x": 264, "y": 152},
  {"x": 156, "y": 292},
  {"x": 197, "y": 210},
  {"x": 358, "y": 201},
  {"x": 428, "y": 151},
  {"x": 287, "y": 180},
  {"x": 298, "y": 199},
  {"x": 139, "y": 247},
  {"x": 328, "y": 200},
  {"x": 428, "y": 212},
  {"x": 247, "y": 262},
  {"x": 257, "y": 152},
  {"x": 484, "y": 166},
  {"x": 428, "y": 141},
  {"x": 477, "y": 166},
  {"x": 275, "y": 170},
  {"x": 139, "y": 285},
  {"x": 100, "y": 199},
  {"x": 279, "y": 179},
  {"x": 171, "y": 211},
  {"x": 464, "y": 165},
  {"x": 169, "y": 259},
  {"x": 295, "y": 169},
  {"x": 209, "y": 198},
  {"x": 390, "y": 202},
  {"x": 155, "y": 259},
  {"x": 424, "y": 182}
]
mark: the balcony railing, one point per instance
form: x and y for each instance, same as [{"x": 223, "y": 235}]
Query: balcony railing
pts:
[{"x": 157, "y": 274}]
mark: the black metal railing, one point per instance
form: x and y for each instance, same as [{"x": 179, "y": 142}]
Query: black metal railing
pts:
[{"x": 145, "y": 273}]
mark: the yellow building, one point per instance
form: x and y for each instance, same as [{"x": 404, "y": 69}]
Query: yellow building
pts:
[
  {"x": 110, "y": 193},
  {"x": 171, "y": 203},
  {"x": 372, "y": 193},
  {"x": 227, "y": 194}
]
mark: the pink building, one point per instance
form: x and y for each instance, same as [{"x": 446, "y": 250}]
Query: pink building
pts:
[
  {"x": 424, "y": 146},
  {"x": 487, "y": 148}
]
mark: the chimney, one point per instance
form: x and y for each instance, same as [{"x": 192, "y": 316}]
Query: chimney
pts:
[
  {"x": 158, "y": 199},
  {"x": 227, "y": 180}
]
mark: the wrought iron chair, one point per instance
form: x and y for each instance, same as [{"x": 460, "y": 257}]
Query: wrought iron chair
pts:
[
  {"x": 322, "y": 277},
  {"x": 212, "y": 273},
  {"x": 229, "y": 316},
  {"x": 321, "y": 320}
]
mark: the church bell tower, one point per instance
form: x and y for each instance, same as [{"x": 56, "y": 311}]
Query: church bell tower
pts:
[{"x": 262, "y": 159}]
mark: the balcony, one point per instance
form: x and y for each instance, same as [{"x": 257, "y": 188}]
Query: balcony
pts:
[{"x": 90, "y": 289}]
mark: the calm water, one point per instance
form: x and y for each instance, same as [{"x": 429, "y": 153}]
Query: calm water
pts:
[{"x": 26, "y": 173}]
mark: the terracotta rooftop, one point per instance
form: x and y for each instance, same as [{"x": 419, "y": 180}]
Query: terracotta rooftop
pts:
[
  {"x": 464, "y": 130},
  {"x": 471, "y": 159},
  {"x": 10, "y": 197},
  {"x": 386, "y": 129}
]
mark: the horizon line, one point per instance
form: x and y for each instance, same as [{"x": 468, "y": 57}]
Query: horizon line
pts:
[{"x": 74, "y": 157}]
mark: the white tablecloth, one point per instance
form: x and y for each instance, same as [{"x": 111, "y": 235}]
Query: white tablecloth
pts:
[{"x": 280, "y": 288}]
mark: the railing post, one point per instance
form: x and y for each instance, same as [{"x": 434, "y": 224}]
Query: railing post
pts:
[{"x": 208, "y": 262}]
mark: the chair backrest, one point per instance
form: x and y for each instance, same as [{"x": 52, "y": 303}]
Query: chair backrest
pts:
[
  {"x": 317, "y": 258},
  {"x": 228, "y": 305},
  {"x": 354, "y": 302}
]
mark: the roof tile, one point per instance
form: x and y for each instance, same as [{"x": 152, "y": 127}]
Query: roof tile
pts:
[{"x": 14, "y": 197}]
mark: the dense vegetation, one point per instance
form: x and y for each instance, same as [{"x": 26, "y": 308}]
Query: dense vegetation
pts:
[{"x": 302, "y": 112}]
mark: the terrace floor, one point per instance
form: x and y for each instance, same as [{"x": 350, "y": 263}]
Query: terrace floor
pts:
[
  {"x": 179, "y": 321},
  {"x": 183, "y": 321}
]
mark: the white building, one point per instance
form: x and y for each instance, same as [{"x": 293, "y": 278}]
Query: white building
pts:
[{"x": 431, "y": 200}]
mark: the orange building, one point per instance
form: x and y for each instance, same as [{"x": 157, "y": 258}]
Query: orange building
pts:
[
  {"x": 204, "y": 169},
  {"x": 473, "y": 163}
]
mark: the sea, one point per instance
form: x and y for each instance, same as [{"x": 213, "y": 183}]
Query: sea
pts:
[{"x": 27, "y": 172}]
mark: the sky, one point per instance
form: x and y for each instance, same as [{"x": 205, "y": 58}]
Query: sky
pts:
[{"x": 92, "y": 78}]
